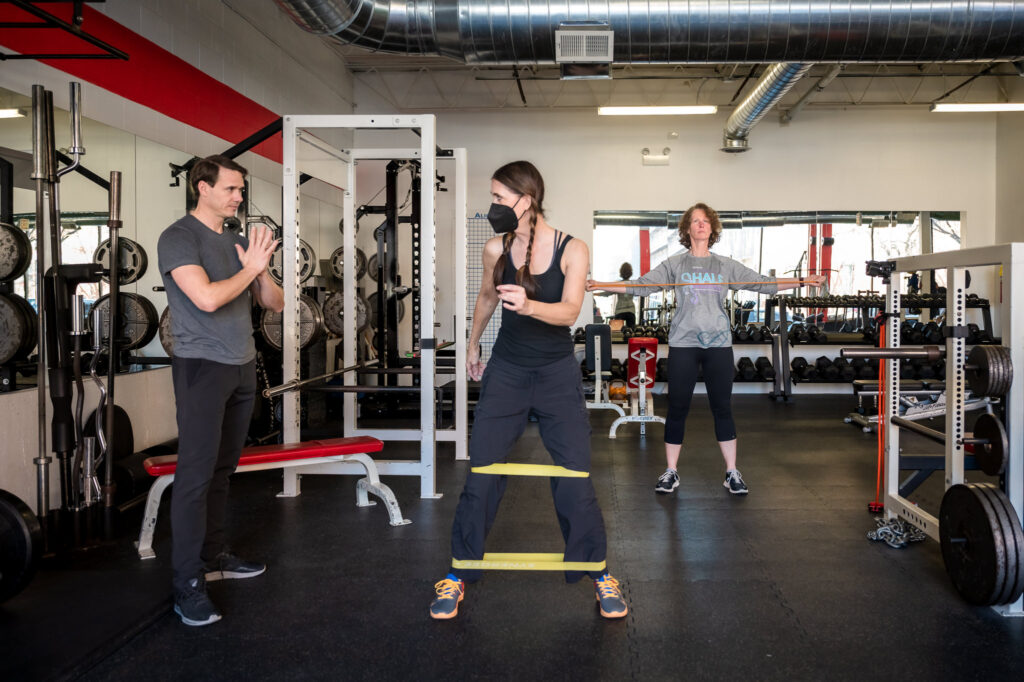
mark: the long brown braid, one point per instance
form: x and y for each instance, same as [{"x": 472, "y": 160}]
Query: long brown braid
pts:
[{"x": 523, "y": 178}]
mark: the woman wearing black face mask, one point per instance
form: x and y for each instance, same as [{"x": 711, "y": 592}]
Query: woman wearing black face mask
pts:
[{"x": 538, "y": 274}]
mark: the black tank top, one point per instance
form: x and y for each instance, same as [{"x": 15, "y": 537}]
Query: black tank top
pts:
[{"x": 528, "y": 342}]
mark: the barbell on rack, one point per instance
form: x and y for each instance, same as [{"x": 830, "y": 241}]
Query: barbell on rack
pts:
[{"x": 988, "y": 370}]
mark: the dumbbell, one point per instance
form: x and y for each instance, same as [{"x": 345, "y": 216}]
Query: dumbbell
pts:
[
  {"x": 907, "y": 370},
  {"x": 862, "y": 368},
  {"x": 940, "y": 368},
  {"x": 627, "y": 333},
  {"x": 798, "y": 334},
  {"x": 932, "y": 333},
  {"x": 923, "y": 369},
  {"x": 816, "y": 335},
  {"x": 826, "y": 370},
  {"x": 766, "y": 334},
  {"x": 617, "y": 370},
  {"x": 846, "y": 371},
  {"x": 978, "y": 335},
  {"x": 755, "y": 333},
  {"x": 579, "y": 336},
  {"x": 764, "y": 368},
  {"x": 745, "y": 369},
  {"x": 663, "y": 333},
  {"x": 741, "y": 334},
  {"x": 802, "y": 370}
]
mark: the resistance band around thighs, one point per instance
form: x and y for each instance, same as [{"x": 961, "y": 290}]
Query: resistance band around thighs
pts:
[{"x": 506, "y": 561}]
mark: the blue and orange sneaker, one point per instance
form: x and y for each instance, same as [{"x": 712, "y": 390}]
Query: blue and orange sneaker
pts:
[
  {"x": 609, "y": 597},
  {"x": 449, "y": 594}
]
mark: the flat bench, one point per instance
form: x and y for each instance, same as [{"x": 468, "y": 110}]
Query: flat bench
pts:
[{"x": 264, "y": 457}]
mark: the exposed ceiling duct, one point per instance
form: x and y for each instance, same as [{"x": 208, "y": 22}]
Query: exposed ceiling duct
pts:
[
  {"x": 772, "y": 87},
  {"x": 738, "y": 219},
  {"x": 522, "y": 32}
]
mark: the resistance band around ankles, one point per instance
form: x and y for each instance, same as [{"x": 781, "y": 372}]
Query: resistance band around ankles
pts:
[{"x": 504, "y": 561}]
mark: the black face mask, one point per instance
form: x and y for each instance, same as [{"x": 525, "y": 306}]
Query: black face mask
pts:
[{"x": 503, "y": 218}]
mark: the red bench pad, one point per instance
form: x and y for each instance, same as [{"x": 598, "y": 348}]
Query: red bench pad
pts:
[{"x": 263, "y": 454}]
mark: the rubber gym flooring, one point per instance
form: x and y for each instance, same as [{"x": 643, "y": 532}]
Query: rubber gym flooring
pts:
[{"x": 779, "y": 585}]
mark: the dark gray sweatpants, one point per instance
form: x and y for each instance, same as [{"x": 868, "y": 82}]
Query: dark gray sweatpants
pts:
[
  {"x": 214, "y": 406},
  {"x": 507, "y": 394}
]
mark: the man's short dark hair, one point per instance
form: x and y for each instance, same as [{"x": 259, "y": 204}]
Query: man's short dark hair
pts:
[{"x": 206, "y": 170}]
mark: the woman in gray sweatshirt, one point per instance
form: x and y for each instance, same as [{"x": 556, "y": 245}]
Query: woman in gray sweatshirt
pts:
[{"x": 700, "y": 337}]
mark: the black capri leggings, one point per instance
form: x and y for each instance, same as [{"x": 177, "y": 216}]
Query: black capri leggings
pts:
[{"x": 682, "y": 378}]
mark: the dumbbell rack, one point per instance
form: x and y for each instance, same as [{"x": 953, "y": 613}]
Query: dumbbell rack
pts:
[{"x": 1011, "y": 259}]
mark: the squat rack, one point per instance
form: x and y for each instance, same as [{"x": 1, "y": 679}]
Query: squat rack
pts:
[
  {"x": 338, "y": 167},
  {"x": 1010, "y": 258}
]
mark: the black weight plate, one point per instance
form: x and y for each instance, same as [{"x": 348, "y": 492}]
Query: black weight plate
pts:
[
  {"x": 371, "y": 303},
  {"x": 166, "y": 337},
  {"x": 32, "y": 338},
  {"x": 973, "y": 544},
  {"x": 989, "y": 371},
  {"x": 311, "y": 324},
  {"x": 15, "y": 252},
  {"x": 338, "y": 268},
  {"x": 123, "y": 442},
  {"x": 307, "y": 263},
  {"x": 138, "y": 318},
  {"x": 14, "y": 330},
  {"x": 21, "y": 544},
  {"x": 371, "y": 268},
  {"x": 334, "y": 314},
  {"x": 991, "y": 458},
  {"x": 133, "y": 260},
  {"x": 1013, "y": 540}
]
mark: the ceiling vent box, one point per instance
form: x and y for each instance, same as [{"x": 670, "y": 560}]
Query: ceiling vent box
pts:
[{"x": 584, "y": 51}]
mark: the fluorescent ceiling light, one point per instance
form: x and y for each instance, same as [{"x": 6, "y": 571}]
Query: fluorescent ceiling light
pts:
[
  {"x": 978, "y": 107},
  {"x": 11, "y": 113},
  {"x": 656, "y": 111}
]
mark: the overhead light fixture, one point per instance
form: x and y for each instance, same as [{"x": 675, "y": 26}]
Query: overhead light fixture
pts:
[
  {"x": 12, "y": 113},
  {"x": 977, "y": 107},
  {"x": 657, "y": 111}
]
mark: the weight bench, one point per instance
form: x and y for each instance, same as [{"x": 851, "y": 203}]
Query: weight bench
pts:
[{"x": 263, "y": 457}]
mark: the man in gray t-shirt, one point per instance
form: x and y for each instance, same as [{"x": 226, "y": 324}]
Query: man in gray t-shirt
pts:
[{"x": 211, "y": 276}]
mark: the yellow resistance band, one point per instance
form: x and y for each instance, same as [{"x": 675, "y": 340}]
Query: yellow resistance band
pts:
[
  {"x": 548, "y": 470},
  {"x": 527, "y": 562}
]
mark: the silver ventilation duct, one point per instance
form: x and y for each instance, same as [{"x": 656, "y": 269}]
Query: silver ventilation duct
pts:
[
  {"x": 678, "y": 31},
  {"x": 739, "y": 219},
  {"x": 772, "y": 87}
]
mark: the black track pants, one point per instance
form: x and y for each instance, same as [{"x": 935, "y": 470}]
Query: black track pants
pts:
[
  {"x": 682, "y": 378},
  {"x": 507, "y": 394},
  {"x": 214, "y": 406}
]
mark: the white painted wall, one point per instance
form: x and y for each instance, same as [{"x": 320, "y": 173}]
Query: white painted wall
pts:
[{"x": 1009, "y": 171}]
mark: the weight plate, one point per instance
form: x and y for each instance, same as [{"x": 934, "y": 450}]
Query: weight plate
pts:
[
  {"x": 992, "y": 457},
  {"x": 989, "y": 371},
  {"x": 21, "y": 544},
  {"x": 371, "y": 268},
  {"x": 338, "y": 267},
  {"x": 123, "y": 443},
  {"x": 133, "y": 259},
  {"x": 1014, "y": 541},
  {"x": 15, "y": 252},
  {"x": 311, "y": 324},
  {"x": 371, "y": 303},
  {"x": 139, "y": 320},
  {"x": 32, "y": 338},
  {"x": 15, "y": 330},
  {"x": 166, "y": 337},
  {"x": 334, "y": 314},
  {"x": 307, "y": 263},
  {"x": 973, "y": 544}
]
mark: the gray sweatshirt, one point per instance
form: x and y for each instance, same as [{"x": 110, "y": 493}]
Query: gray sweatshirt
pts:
[{"x": 700, "y": 319}]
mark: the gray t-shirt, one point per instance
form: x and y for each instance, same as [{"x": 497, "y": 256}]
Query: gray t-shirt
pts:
[
  {"x": 700, "y": 319},
  {"x": 224, "y": 335}
]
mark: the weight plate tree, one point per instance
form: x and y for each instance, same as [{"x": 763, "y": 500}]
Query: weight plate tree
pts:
[
  {"x": 311, "y": 324},
  {"x": 133, "y": 259},
  {"x": 307, "y": 263},
  {"x": 15, "y": 252},
  {"x": 139, "y": 320},
  {"x": 338, "y": 266},
  {"x": 334, "y": 314},
  {"x": 21, "y": 543},
  {"x": 982, "y": 544}
]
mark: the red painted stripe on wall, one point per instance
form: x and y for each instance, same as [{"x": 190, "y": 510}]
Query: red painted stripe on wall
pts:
[
  {"x": 645, "y": 251},
  {"x": 152, "y": 76}
]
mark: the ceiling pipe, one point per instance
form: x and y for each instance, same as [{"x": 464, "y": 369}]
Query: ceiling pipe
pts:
[
  {"x": 771, "y": 88},
  {"x": 522, "y": 32},
  {"x": 822, "y": 83}
]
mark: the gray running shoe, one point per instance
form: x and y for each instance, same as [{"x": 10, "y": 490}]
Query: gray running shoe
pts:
[
  {"x": 609, "y": 597},
  {"x": 734, "y": 483},
  {"x": 667, "y": 482},
  {"x": 192, "y": 604},
  {"x": 229, "y": 567}
]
